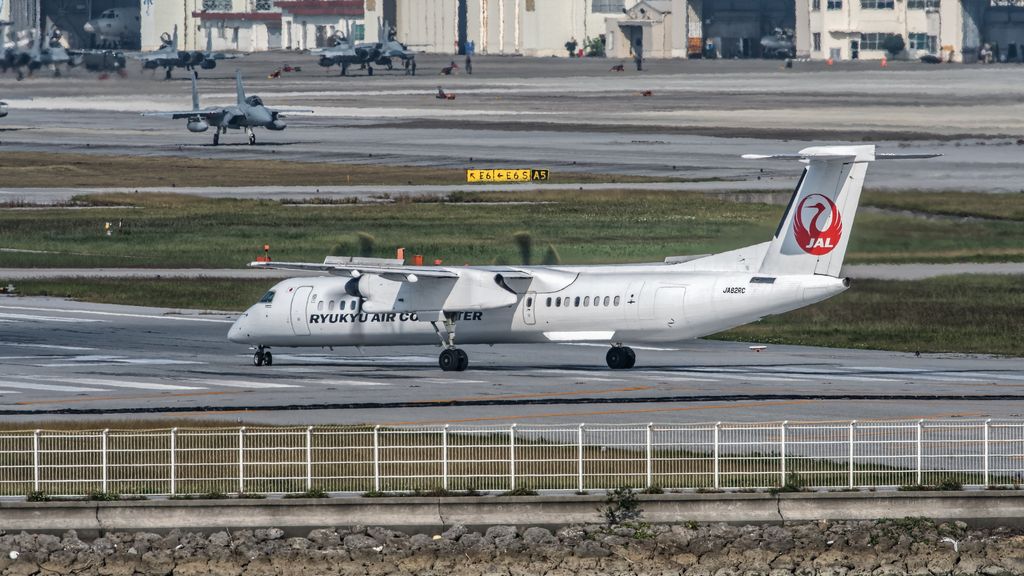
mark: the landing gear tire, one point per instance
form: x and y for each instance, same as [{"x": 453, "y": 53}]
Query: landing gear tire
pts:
[
  {"x": 216, "y": 138},
  {"x": 262, "y": 357},
  {"x": 453, "y": 360},
  {"x": 252, "y": 138},
  {"x": 620, "y": 358}
]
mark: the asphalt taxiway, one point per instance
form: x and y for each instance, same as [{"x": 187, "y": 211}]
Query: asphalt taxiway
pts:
[{"x": 64, "y": 359}]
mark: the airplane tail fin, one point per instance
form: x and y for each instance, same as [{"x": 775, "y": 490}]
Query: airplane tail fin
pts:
[
  {"x": 239, "y": 89},
  {"x": 174, "y": 37},
  {"x": 814, "y": 232},
  {"x": 209, "y": 40},
  {"x": 195, "y": 91}
]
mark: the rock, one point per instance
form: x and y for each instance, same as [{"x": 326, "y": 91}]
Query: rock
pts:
[
  {"x": 455, "y": 532},
  {"x": 324, "y": 538},
  {"x": 269, "y": 534},
  {"x": 500, "y": 532},
  {"x": 590, "y": 549},
  {"x": 360, "y": 542},
  {"x": 539, "y": 537},
  {"x": 219, "y": 539},
  {"x": 685, "y": 560}
]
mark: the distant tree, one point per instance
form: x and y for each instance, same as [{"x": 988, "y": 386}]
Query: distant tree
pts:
[
  {"x": 524, "y": 242},
  {"x": 894, "y": 44},
  {"x": 366, "y": 244}
]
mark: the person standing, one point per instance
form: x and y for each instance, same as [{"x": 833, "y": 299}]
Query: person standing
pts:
[
  {"x": 470, "y": 49},
  {"x": 638, "y": 55},
  {"x": 571, "y": 47}
]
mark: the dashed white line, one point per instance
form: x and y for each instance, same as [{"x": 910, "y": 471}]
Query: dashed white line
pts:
[{"x": 119, "y": 314}]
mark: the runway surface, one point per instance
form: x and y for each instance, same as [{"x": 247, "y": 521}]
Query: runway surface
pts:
[
  {"x": 562, "y": 115},
  {"x": 65, "y": 359}
]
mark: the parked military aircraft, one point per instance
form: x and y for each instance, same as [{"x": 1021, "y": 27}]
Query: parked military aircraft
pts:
[
  {"x": 116, "y": 27},
  {"x": 168, "y": 57},
  {"x": 366, "y": 302},
  {"x": 28, "y": 50},
  {"x": 3, "y": 109},
  {"x": 247, "y": 113},
  {"x": 343, "y": 54},
  {"x": 779, "y": 44}
]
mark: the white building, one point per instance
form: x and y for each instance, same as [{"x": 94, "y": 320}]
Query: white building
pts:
[
  {"x": 858, "y": 29},
  {"x": 524, "y": 27},
  {"x": 309, "y": 24}
]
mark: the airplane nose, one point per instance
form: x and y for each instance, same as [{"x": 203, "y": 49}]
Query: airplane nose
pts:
[
  {"x": 240, "y": 332},
  {"x": 89, "y": 27}
]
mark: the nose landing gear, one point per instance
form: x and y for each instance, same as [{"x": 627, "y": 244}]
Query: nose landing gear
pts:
[
  {"x": 262, "y": 357},
  {"x": 620, "y": 357}
]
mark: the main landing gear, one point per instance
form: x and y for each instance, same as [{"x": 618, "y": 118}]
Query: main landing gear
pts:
[
  {"x": 262, "y": 357},
  {"x": 620, "y": 357},
  {"x": 252, "y": 136},
  {"x": 452, "y": 359}
]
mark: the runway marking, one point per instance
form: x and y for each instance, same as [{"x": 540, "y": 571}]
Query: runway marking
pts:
[
  {"x": 995, "y": 376},
  {"x": 242, "y": 383},
  {"x": 352, "y": 383},
  {"x": 47, "y": 387},
  {"x": 32, "y": 317},
  {"x": 601, "y": 413},
  {"x": 452, "y": 381},
  {"x": 650, "y": 348},
  {"x": 53, "y": 346},
  {"x": 113, "y": 361},
  {"x": 118, "y": 314},
  {"x": 116, "y": 383},
  {"x": 113, "y": 398}
]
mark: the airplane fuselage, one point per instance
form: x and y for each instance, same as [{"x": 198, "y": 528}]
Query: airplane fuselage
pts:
[{"x": 617, "y": 304}]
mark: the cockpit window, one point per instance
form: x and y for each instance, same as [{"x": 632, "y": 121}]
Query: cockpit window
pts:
[
  {"x": 267, "y": 298},
  {"x": 254, "y": 101}
]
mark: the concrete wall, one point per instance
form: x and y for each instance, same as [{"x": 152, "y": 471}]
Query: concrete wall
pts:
[
  {"x": 160, "y": 17},
  {"x": 299, "y": 32},
  {"x": 979, "y": 508}
]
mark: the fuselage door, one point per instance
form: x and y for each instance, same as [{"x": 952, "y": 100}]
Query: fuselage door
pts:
[
  {"x": 668, "y": 305},
  {"x": 300, "y": 322},
  {"x": 529, "y": 314}
]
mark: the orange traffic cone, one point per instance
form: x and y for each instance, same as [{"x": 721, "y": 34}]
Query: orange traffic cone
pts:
[
  {"x": 885, "y": 62},
  {"x": 828, "y": 62}
]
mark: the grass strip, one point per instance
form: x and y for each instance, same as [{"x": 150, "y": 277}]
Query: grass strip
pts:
[
  {"x": 174, "y": 230},
  {"x": 56, "y": 170}
]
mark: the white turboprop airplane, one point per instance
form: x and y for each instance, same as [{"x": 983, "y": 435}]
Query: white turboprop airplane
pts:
[{"x": 368, "y": 302}]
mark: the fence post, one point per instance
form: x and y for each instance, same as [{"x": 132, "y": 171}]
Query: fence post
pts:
[
  {"x": 512, "y": 456},
  {"x": 309, "y": 458},
  {"x": 988, "y": 426},
  {"x": 782, "y": 451},
  {"x": 444, "y": 457},
  {"x": 717, "y": 478},
  {"x": 103, "y": 450},
  {"x": 579, "y": 458},
  {"x": 174, "y": 472},
  {"x": 35, "y": 461},
  {"x": 650, "y": 471},
  {"x": 853, "y": 423},
  {"x": 241, "y": 460},
  {"x": 920, "y": 430},
  {"x": 376, "y": 458}
]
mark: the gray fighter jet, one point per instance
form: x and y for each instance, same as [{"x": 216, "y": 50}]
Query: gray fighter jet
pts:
[
  {"x": 392, "y": 49},
  {"x": 778, "y": 44},
  {"x": 343, "y": 54},
  {"x": 3, "y": 109},
  {"x": 168, "y": 57},
  {"x": 28, "y": 50},
  {"x": 247, "y": 113}
]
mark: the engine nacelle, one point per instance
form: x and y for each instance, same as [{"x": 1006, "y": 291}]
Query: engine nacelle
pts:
[
  {"x": 150, "y": 65},
  {"x": 208, "y": 64},
  {"x": 276, "y": 125},
  {"x": 326, "y": 62},
  {"x": 197, "y": 125},
  {"x": 3, "y": 109}
]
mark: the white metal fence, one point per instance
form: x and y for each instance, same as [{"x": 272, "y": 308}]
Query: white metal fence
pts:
[{"x": 492, "y": 458}]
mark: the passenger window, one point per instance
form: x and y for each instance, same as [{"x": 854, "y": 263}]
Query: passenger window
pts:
[
  {"x": 565, "y": 302},
  {"x": 606, "y": 300},
  {"x": 586, "y": 301},
  {"x": 576, "y": 303},
  {"x": 267, "y": 298},
  {"x": 549, "y": 302},
  {"x": 558, "y": 302},
  {"x": 616, "y": 300},
  {"x": 529, "y": 302},
  {"x": 354, "y": 305},
  {"x": 330, "y": 306},
  {"x": 320, "y": 306}
]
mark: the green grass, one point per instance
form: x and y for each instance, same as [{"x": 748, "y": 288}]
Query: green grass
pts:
[
  {"x": 968, "y": 314},
  {"x": 169, "y": 230},
  {"x": 971, "y": 204},
  {"x": 203, "y": 293},
  {"x": 45, "y": 170}
]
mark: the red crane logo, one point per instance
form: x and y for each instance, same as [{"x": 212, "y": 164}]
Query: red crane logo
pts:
[{"x": 821, "y": 235}]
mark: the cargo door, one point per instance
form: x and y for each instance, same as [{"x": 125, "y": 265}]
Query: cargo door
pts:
[{"x": 299, "y": 318}]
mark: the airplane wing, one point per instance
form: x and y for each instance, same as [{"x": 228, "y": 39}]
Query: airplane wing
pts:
[
  {"x": 390, "y": 286},
  {"x": 205, "y": 113},
  {"x": 282, "y": 113}
]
